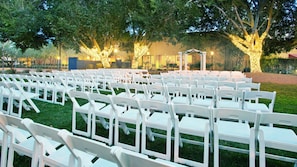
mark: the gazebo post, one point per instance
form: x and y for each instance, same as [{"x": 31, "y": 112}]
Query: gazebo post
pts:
[
  {"x": 180, "y": 61},
  {"x": 203, "y": 66},
  {"x": 186, "y": 62}
]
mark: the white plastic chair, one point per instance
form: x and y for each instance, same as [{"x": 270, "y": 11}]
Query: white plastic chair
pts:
[
  {"x": 157, "y": 93},
  {"x": 178, "y": 94},
  {"x": 18, "y": 98},
  {"x": 87, "y": 152},
  {"x": 18, "y": 138},
  {"x": 233, "y": 125},
  {"x": 158, "y": 116},
  {"x": 229, "y": 98},
  {"x": 252, "y": 101},
  {"x": 203, "y": 97},
  {"x": 5, "y": 98},
  {"x": 48, "y": 146},
  {"x": 81, "y": 105},
  {"x": 119, "y": 89},
  {"x": 281, "y": 136},
  {"x": 137, "y": 91},
  {"x": 127, "y": 113},
  {"x": 104, "y": 115},
  {"x": 194, "y": 121}
]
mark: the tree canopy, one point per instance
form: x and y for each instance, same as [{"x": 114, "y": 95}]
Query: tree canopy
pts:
[{"x": 256, "y": 27}]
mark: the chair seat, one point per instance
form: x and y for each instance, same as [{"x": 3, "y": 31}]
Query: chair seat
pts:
[
  {"x": 228, "y": 104},
  {"x": 274, "y": 137},
  {"x": 239, "y": 131},
  {"x": 85, "y": 157},
  {"x": 26, "y": 147},
  {"x": 158, "y": 98},
  {"x": 256, "y": 106},
  {"x": 180, "y": 100},
  {"x": 84, "y": 108},
  {"x": 158, "y": 120},
  {"x": 129, "y": 116},
  {"x": 202, "y": 102},
  {"x": 190, "y": 125},
  {"x": 106, "y": 111},
  {"x": 58, "y": 158},
  {"x": 102, "y": 162}
]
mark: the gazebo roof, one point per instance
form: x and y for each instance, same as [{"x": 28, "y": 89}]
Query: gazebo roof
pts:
[{"x": 292, "y": 56}]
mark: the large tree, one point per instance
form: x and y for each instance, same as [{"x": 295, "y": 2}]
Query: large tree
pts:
[
  {"x": 249, "y": 23},
  {"x": 20, "y": 22}
]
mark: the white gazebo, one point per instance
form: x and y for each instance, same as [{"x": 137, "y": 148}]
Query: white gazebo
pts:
[{"x": 185, "y": 54}]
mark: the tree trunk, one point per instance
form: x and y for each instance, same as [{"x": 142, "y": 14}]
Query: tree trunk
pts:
[{"x": 255, "y": 61}]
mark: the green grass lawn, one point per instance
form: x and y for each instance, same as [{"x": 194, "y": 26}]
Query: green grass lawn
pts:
[{"x": 60, "y": 117}]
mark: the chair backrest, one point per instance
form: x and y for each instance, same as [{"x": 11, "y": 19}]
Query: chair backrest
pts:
[
  {"x": 100, "y": 98},
  {"x": 75, "y": 97},
  {"x": 157, "y": 90},
  {"x": 126, "y": 102},
  {"x": 157, "y": 106},
  {"x": 127, "y": 158},
  {"x": 257, "y": 95},
  {"x": 279, "y": 119},
  {"x": 248, "y": 86},
  {"x": 117, "y": 87},
  {"x": 203, "y": 93},
  {"x": 226, "y": 85},
  {"x": 176, "y": 91},
  {"x": 192, "y": 110},
  {"x": 236, "y": 115},
  {"x": 43, "y": 135},
  {"x": 92, "y": 147},
  {"x": 134, "y": 89},
  {"x": 225, "y": 94}
]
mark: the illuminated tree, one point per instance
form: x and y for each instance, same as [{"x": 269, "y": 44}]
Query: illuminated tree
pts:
[{"x": 249, "y": 24}]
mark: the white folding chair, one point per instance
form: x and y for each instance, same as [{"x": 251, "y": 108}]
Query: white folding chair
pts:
[
  {"x": 158, "y": 117},
  {"x": 138, "y": 91},
  {"x": 119, "y": 89},
  {"x": 4, "y": 141},
  {"x": 48, "y": 147},
  {"x": 81, "y": 105},
  {"x": 252, "y": 101},
  {"x": 127, "y": 113},
  {"x": 5, "y": 98},
  {"x": 18, "y": 98},
  {"x": 281, "y": 136},
  {"x": 203, "y": 96},
  {"x": 127, "y": 158},
  {"x": 87, "y": 152},
  {"x": 232, "y": 125},
  {"x": 104, "y": 115},
  {"x": 178, "y": 94},
  {"x": 19, "y": 140},
  {"x": 157, "y": 93},
  {"x": 227, "y": 98},
  {"x": 60, "y": 91},
  {"x": 194, "y": 121}
]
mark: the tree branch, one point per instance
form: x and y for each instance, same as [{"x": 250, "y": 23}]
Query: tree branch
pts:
[{"x": 240, "y": 21}]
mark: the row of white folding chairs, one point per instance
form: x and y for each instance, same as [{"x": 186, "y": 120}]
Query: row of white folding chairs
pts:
[
  {"x": 55, "y": 147},
  {"x": 195, "y": 82},
  {"x": 233, "y": 74},
  {"x": 48, "y": 88},
  {"x": 147, "y": 115},
  {"x": 245, "y": 97},
  {"x": 13, "y": 99}
]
